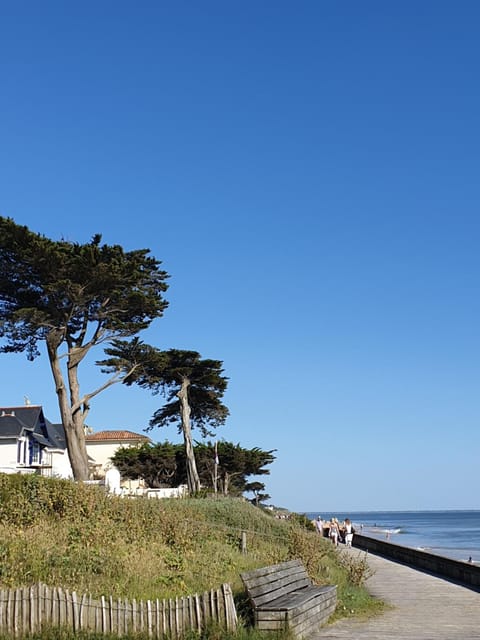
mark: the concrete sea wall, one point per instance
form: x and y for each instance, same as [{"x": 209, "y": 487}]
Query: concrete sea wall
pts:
[{"x": 461, "y": 572}]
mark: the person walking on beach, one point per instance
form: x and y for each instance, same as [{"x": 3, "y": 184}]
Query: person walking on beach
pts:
[
  {"x": 334, "y": 531},
  {"x": 349, "y": 531},
  {"x": 319, "y": 525}
]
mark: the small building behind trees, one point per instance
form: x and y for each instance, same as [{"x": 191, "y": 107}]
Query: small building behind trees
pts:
[{"x": 102, "y": 446}]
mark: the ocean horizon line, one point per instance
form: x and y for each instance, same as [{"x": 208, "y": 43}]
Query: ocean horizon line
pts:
[{"x": 447, "y": 509}]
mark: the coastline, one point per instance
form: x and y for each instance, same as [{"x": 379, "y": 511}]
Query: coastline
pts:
[{"x": 453, "y": 534}]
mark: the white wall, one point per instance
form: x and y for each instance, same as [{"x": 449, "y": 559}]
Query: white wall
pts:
[
  {"x": 101, "y": 452},
  {"x": 61, "y": 467},
  {"x": 170, "y": 492},
  {"x": 8, "y": 456}
]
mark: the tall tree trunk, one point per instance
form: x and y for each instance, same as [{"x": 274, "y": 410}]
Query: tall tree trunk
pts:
[
  {"x": 73, "y": 421},
  {"x": 193, "y": 479}
]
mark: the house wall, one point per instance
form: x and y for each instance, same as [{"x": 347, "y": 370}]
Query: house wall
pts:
[
  {"x": 101, "y": 452},
  {"x": 61, "y": 467},
  {"x": 59, "y": 461},
  {"x": 8, "y": 456}
]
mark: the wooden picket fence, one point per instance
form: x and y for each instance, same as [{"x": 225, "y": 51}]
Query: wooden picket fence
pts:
[{"x": 30, "y": 609}]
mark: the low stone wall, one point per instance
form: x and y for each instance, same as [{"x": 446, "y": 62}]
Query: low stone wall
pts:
[{"x": 461, "y": 572}]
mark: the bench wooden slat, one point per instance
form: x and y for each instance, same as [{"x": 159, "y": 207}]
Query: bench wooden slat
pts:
[
  {"x": 282, "y": 575},
  {"x": 261, "y": 595},
  {"x": 307, "y": 621},
  {"x": 289, "y": 602},
  {"x": 286, "y": 575},
  {"x": 269, "y": 583},
  {"x": 272, "y": 568},
  {"x": 264, "y": 575},
  {"x": 303, "y": 620}
]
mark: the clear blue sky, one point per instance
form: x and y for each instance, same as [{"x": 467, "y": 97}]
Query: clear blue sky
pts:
[{"x": 308, "y": 173}]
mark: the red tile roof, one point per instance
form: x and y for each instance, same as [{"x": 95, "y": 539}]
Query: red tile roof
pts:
[{"x": 102, "y": 436}]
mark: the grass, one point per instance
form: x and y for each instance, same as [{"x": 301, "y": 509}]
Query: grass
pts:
[
  {"x": 242, "y": 633},
  {"x": 75, "y": 536}
]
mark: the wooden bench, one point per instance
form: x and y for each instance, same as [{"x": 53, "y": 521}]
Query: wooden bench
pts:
[{"x": 283, "y": 597}]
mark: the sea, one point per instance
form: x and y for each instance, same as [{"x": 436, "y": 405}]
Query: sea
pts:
[{"x": 452, "y": 534}]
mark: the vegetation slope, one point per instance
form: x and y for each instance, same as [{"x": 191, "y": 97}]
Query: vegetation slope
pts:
[{"x": 74, "y": 535}]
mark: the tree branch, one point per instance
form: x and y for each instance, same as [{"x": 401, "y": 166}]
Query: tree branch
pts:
[{"x": 113, "y": 380}]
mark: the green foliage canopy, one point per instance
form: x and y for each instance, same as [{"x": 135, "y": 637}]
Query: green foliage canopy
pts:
[
  {"x": 73, "y": 297},
  {"x": 68, "y": 288},
  {"x": 159, "y": 465},
  {"x": 164, "y": 464},
  {"x": 164, "y": 372}
]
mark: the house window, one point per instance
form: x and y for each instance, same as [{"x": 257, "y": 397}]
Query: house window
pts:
[
  {"x": 35, "y": 453},
  {"x": 22, "y": 451}
]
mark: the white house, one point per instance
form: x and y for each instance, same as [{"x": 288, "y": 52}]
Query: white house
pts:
[{"x": 31, "y": 444}]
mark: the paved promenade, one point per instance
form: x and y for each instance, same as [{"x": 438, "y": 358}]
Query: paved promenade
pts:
[{"x": 424, "y": 607}]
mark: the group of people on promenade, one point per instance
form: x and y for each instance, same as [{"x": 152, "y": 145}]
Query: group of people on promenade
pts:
[{"x": 336, "y": 531}]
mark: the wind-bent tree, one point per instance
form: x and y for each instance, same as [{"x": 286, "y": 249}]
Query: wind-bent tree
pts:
[
  {"x": 73, "y": 297},
  {"x": 256, "y": 488},
  {"x": 235, "y": 464},
  {"x": 193, "y": 388}
]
